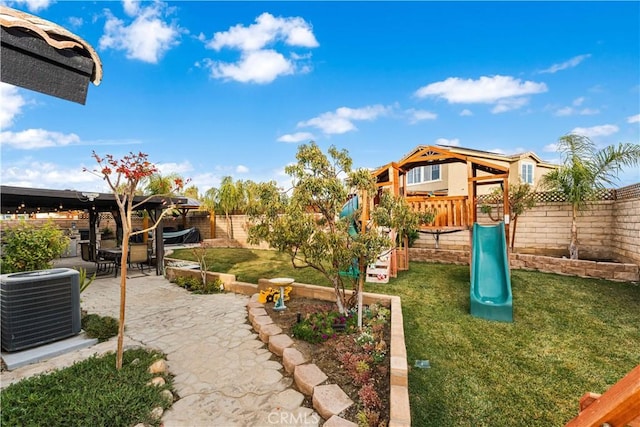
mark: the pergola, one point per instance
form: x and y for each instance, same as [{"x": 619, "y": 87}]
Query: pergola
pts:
[
  {"x": 20, "y": 200},
  {"x": 453, "y": 212}
]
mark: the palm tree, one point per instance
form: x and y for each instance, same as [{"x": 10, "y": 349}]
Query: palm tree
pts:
[
  {"x": 208, "y": 203},
  {"x": 158, "y": 184},
  {"x": 229, "y": 198},
  {"x": 191, "y": 192},
  {"x": 586, "y": 169}
]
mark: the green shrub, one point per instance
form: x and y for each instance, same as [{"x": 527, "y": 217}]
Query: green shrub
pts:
[
  {"x": 28, "y": 247},
  {"x": 89, "y": 393},
  {"x": 195, "y": 285},
  {"x": 100, "y": 327},
  {"x": 318, "y": 327}
]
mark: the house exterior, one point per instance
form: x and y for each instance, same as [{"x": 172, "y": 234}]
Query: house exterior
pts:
[{"x": 450, "y": 179}]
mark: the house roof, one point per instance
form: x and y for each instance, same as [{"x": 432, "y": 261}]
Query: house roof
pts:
[
  {"x": 38, "y": 200},
  {"x": 438, "y": 154},
  {"x": 497, "y": 156},
  {"x": 43, "y": 56}
]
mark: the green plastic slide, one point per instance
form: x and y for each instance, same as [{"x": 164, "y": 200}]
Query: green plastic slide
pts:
[
  {"x": 349, "y": 210},
  {"x": 490, "y": 292}
]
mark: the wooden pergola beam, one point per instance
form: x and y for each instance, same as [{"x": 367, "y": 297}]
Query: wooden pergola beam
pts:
[{"x": 618, "y": 406}]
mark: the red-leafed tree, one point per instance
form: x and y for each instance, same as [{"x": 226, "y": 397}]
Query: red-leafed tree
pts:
[{"x": 123, "y": 176}]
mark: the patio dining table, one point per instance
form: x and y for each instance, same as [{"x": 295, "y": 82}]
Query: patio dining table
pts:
[{"x": 114, "y": 254}]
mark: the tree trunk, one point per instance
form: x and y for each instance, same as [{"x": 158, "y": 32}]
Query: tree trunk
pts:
[
  {"x": 339, "y": 301},
  {"x": 229, "y": 227},
  {"x": 573, "y": 244},
  {"x": 363, "y": 270},
  {"x": 514, "y": 222},
  {"x": 123, "y": 297}
]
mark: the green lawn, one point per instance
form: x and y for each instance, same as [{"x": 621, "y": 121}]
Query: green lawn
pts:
[
  {"x": 570, "y": 336},
  {"x": 89, "y": 393}
]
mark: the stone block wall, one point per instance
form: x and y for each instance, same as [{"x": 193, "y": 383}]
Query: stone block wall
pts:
[
  {"x": 626, "y": 230},
  {"x": 607, "y": 230}
]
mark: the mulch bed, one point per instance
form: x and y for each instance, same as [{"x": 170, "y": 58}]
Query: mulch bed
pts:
[{"x": 326, "y": 355}]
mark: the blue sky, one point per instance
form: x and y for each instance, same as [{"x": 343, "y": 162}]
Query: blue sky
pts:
[{"x": 209, "y": 89}]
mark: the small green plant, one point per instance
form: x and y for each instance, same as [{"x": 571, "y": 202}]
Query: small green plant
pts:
[
  {"x": 195, "y": 285},
  {"x": 28, "y": 247},
  {"x": 319, "y": 327},
  {"x": 102, "y": 328},
  {"x": 84, "y": 282},
  {"x": 107, "y": 233}
]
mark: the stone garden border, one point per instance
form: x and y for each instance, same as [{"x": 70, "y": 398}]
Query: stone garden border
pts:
[
  {"x": 623, "y": 272},
  {"x": 399, "y": 411}
]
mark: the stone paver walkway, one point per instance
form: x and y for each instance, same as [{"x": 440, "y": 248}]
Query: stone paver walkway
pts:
[{"x": 224, "y": 375}]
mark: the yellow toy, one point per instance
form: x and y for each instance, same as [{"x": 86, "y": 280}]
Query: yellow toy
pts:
[{"x": 272, "y": 295}]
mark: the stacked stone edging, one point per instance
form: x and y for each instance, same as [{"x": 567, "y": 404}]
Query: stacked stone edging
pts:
[
  {"x": 625, "y": 272},
  {"x": 576, "y": 267},
  {"x": 330, "y": 400},
  {"x": 400, "y": 414}
]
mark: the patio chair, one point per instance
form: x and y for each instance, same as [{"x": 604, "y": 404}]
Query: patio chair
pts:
[
  {"x": 139, "y": 255},
  {"x": 102, "y": 265}
]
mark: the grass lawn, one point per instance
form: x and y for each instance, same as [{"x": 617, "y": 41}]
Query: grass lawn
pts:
[
  {"x": 569, "y": 336},
  {"x": 89, "y": 393}
]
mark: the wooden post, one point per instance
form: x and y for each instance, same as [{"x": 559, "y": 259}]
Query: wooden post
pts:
[
  {"x": 507, "y": 214},
  {"x": 145, "y": 225}
]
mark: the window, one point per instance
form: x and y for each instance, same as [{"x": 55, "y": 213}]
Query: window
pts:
[
  {"x": 423, "y": 174},
  {"x": 526, "y": 173},
  {"x": 414, "y": 176}
]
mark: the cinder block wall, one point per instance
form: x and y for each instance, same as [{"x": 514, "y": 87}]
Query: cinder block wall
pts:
[
  {"x": 606, "y": 230},
  {"x": 626, "y": 230}
]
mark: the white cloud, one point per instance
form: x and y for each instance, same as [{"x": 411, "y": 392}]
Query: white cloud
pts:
[
  {"x": 296, "y": 137},
  {"x": 573, "y": 62},
  {"x": 75, "y": 21},
  {"x": 551, "y": 148},
  {"x": 595, "y": 131},
  {"x": 257, "y": 64},
  {"x": 293, "y": 31},
  {"x": 177, "y": 168},
  {"x": 11, "y": 105},
  {"x": 341, "y": 120},
  {"x": 131, "y": 7},
  {"x": 466, "y": 112},
  {"x": 416, "y": 116},
  {"x": 564, "y": 111},
  {"x": 31, "y": 173},
  {"x": 147, "y": 38},
  {"x": 509, "y": 104},
  {"x": 261, "y": 66},
  {"x": 505, "y": 91},
  {"x": 633, "y": 119},
  {"x": 32, "y": 5},
  {"x": 242, "y": 169},
  {"x": 572, "y": 110},
  {"x": 31, "y": 139},
  {"x": 444, "y": 141}
]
